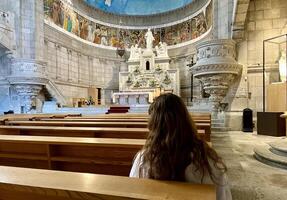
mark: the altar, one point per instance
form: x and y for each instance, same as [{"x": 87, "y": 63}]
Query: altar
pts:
[
  {"x": 133, "y": 98},
  {"x": 149, "y": 74}
]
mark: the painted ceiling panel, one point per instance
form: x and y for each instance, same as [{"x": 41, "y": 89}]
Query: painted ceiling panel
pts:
[{"x": 137, "y": 7}]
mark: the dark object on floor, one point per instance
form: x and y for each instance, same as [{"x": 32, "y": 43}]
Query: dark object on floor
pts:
[
  {"x": 270, "y": 123},
  {"x": 9, "y": 112},
  {"x": 247, "y": 120},
  {"x": 118, "y": 109}
]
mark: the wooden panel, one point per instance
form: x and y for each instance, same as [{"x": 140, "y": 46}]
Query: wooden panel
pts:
[
  {"x": 20, "y": 183},
  {"x": 99, "y": 132},
  {"x": 104, "y": 156},
  {"x": 276, "y": 97},
  {"x": 79, "y": 124}
]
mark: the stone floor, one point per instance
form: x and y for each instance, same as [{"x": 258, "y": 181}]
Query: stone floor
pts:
[{"x": 249, "y": 179}]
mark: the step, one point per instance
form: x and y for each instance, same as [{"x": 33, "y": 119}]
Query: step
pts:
[
  {"x": 264, "y": 154},
  {"x": 279, "y": 147}
]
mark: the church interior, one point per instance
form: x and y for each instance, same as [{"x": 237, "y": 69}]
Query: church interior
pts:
[{"x": 78, "y": 79}]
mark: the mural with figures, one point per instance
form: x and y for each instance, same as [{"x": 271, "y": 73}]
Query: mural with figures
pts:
[{"x": 64, "y": 16}]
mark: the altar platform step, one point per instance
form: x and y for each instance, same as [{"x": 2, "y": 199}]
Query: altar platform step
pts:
[
  {"x": 274, "y": 155},
  {"x": 118, "y": 109}
]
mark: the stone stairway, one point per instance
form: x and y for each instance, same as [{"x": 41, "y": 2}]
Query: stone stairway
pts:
[{"x": 274, "y": 155}]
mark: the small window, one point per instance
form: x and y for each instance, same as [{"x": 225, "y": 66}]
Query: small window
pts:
[{"x": 147, "y": 65}]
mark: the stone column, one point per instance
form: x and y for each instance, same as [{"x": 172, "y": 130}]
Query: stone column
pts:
[
  {"x": 28, "y": 69},
  {"x": 216, "y": 68}
]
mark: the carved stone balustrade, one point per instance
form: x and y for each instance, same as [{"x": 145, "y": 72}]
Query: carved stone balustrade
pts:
[{"x": 216, "y": 68}]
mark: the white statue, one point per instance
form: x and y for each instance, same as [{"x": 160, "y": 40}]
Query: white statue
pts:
[
  {"x": 282, "y": 66},
  {"x": 135, "y": 52},
  {"x": 161, "y": 50},
  {"x": 149, "y": 39}
]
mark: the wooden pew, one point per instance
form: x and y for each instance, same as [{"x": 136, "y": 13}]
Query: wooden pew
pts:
[
  {"x": 97, "y": 132},
  {"x": 37, "y": 184},
  {"x": 200, "y": 126},
  {"x": 79, "y": 124},
  {"x": 93, "y": 155},
  {"x": 37, "y": 116}
]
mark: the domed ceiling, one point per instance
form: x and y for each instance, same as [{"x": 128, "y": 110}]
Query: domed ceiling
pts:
[{"x": 137, "y": 7}]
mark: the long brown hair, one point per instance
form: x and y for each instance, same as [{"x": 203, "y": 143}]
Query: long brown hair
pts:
[{"x": 173, "y": 143}]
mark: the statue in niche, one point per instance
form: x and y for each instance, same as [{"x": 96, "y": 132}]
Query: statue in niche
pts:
[
  {"x": 161, "y": 50},
  {"x": 149, "y": 39}
]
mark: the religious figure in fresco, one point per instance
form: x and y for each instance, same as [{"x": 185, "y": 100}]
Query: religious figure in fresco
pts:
[
  {"x": 84, "y": 29},
  {"x": 200, "y": 23},
  {"x": 69, "y": 24},
  {"x": 91, "y": 34},
  {"x": 56, "y": 12},
  {"x": 97, "y": 36},
  {"x": 104, "y": 41},
  {"x": 114, "y": 41},
  {"x": 149, "y": 39},
  {"x": 63, "y": 15},
  {"x": 75, "y": 29}
]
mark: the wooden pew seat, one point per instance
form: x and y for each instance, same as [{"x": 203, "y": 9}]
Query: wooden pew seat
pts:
[
  {"x": 93, "y": 155},
  {"x": 35, "y": 184}
]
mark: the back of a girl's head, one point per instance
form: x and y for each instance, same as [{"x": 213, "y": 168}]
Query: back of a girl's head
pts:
[
  {"x": 169, "y": 113},
  {"x": 172, "y": 140},
  {"x": 171, "y": 134}
]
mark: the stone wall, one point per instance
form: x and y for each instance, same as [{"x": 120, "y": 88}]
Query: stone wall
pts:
[
  {"x": 75, "y": 65},
  {"x": 265, "y": 19}
]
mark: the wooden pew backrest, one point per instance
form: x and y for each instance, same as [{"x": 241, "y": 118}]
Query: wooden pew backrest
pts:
[{"x": 35, "y": 184}]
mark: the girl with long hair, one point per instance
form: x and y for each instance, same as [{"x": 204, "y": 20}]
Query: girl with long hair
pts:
[{"x": 173, "y": 150}]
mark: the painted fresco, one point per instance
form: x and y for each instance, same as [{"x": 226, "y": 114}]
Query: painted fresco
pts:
[
  {"x": 137, "y": 7},
  {"x": 64, "y": 16}
]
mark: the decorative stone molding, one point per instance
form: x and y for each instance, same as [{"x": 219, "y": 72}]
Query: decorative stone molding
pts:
[
  {"x": 27, "y": 94},
  {"x": 28, "y": 67},
  {"x": 216, "y": 68}
]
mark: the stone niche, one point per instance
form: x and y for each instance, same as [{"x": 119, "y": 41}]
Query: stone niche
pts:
[{"x": 216, "y": 68}]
